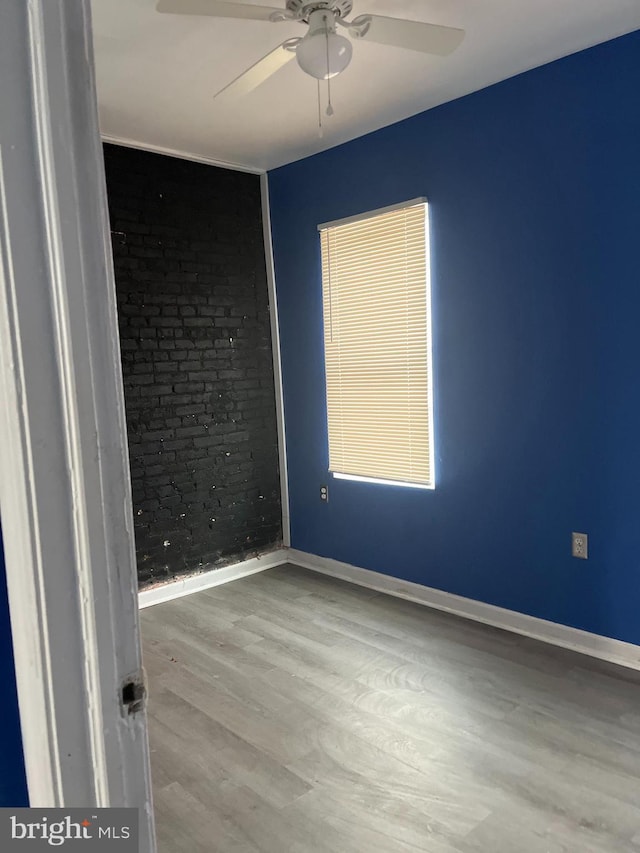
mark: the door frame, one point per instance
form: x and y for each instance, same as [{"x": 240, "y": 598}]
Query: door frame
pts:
[{"x": 65, "y": 497}]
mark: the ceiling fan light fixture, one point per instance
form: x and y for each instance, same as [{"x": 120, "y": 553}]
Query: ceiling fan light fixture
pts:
[{"x": 323, "y": 53}]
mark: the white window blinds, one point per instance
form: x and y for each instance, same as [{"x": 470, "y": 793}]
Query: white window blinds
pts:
[{"x": 377, "y": 345}]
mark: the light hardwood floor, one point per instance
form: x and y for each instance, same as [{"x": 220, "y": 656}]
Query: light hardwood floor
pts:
[{"x": 294, "y": 713}]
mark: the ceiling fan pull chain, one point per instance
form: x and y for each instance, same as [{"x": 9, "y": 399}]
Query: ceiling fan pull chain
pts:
[
  {"x": 320, "y": 130},
  {"x": 329, "y": 104},
  {"x": 326, "y": 38}
]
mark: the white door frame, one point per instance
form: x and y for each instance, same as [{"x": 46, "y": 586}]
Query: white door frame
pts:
[{"x": 65, "y": 497}]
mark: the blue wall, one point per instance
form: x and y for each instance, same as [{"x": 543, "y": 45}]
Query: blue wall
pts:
[
  {"x": 534, "y": 187},
  {"x": 13, "y": 786}
]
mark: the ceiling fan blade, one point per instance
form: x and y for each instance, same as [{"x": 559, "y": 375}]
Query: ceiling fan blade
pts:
[
  {"x": 216, "y": 9},
  {"x": 260, "y": 72},
  {"x": 414, "y": 35}
]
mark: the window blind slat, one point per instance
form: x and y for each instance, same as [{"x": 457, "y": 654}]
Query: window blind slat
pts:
[{"x": 377, "y": 347}]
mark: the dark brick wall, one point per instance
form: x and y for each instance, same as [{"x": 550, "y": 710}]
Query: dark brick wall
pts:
[{"x": 196, "y": 359}]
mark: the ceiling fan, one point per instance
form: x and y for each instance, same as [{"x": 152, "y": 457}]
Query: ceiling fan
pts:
[{"x": 322, "y": 52}]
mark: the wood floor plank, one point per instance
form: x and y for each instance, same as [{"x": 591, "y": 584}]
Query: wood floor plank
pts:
[
  {"x": 193, "y": 615},
  {"x": 357, "y": 774},
  {"x": 189, "y": 825},
  {"x": 293, "y": 713},
  {"x": 379, "y": 825}
]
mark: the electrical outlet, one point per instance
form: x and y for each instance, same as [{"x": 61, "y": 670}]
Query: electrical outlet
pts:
[
  {"x": 324, "y": 493},
  {"x": 580, "y": 545}
]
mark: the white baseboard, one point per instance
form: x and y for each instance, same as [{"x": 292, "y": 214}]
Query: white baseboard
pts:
[
  {"x": 207, "y": 579},
  {"x": 594, "y": 645}
]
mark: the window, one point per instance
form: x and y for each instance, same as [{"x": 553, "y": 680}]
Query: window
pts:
[{"x": 377, "y": 338}]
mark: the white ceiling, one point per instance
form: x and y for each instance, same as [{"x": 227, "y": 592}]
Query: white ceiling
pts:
[{"x": 157, "y": 73}]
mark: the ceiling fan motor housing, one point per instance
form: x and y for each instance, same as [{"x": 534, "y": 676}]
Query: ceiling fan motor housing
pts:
[{"x": 302, "y": 9}]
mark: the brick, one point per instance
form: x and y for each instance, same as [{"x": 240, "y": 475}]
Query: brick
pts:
[
  {"x": 165, "y": 322},
  {"x": 197, "y": 322},
  {"x": 189, "y": 431},
  {"x": 187, "y": 387},
  {"x": 208, "y": 440}
]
